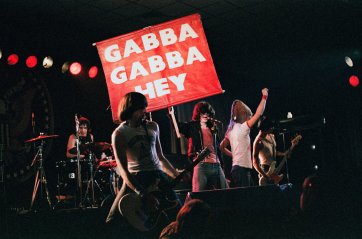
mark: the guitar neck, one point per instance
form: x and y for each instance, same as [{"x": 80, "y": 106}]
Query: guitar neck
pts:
[{"x": 205, "y": 152}]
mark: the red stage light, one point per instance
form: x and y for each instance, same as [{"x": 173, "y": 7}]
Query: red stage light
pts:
[
  {"x": 354, "y": 81},
  {"x": 31, "y": 61},
  {"x": 75, "y": 68},
  {"x": 13, "y": 59},
  {"x": 93, "y": 71}
]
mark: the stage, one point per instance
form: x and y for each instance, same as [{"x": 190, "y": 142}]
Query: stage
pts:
[{"x": 236, "y": 213}]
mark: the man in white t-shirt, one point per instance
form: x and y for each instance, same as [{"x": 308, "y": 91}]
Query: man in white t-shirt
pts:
[{"x": 237, "y": 137}]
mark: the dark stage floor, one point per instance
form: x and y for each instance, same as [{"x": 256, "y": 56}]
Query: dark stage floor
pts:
[{"x": 254, "y": 212}]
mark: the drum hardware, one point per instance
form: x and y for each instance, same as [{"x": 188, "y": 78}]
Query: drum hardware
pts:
[
  {"x": 90, "y": 183},
  {"x": 40, "y": 177},
  {"x": 95, "y": 147}
]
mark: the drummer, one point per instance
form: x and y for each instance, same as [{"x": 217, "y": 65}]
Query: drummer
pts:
[{"x": 85, "y": 138}]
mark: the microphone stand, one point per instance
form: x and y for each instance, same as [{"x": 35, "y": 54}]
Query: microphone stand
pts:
[{"x": 79, "y": 176}]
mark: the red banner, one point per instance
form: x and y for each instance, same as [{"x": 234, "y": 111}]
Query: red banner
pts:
[{"x": 169, "y": 63}]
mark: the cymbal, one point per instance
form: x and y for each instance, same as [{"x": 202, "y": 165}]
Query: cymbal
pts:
[
  {"x": 100, "y": 146},
  {"x": 40, "y": 137},
  {"x": 95, "y": 147}
]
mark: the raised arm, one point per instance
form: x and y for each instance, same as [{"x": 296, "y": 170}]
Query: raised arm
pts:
[{"x": 260, "y": 110}]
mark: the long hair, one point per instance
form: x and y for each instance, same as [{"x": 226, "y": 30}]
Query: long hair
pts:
[
  {"x": 265, "y": 124},
  {"x": 202, "y": 107},
  {"x": 193, "y": 217},
  {"x": 130, "y": 103},
  {"x": 239, "y": 113}
]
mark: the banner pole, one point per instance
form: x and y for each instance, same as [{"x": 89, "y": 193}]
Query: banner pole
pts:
[{"x": 171, "y": 111}]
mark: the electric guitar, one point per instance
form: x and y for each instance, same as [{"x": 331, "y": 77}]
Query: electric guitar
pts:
[
  {"x": 134, "y": 209},
  {"x": 273, "y": 172}
]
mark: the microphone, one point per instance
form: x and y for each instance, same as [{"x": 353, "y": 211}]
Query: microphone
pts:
[{"x": 215, "y": 120}]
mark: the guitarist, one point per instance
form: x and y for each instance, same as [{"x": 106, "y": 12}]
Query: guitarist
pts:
[
  {"x": 138, "y": 153},
  {"x": 265, "y": 153}
]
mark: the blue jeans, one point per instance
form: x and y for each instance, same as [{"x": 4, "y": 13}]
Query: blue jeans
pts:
[
  {"x": 208, "y": 176},
  {"x": 241, "y": 176}
]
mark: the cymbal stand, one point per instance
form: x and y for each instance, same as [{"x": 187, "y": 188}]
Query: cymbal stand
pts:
[
  {"x": 79, "y": 176},
  {"x": 40, "y": 177},
  {"x": 90, "y": 183}
]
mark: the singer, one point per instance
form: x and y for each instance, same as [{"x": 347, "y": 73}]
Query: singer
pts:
[
  {"x": 201, "y": 132},
  {"x": 237, "y": 137}
]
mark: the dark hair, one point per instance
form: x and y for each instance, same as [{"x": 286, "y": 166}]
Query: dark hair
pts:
[
  {"x": 265, "y": 123},
  {"x": 202, "y": 107},
  {"x": 193, "y": 217},
  {"x": 130, "y": 103},
  {"x": 84, "y": 121}
]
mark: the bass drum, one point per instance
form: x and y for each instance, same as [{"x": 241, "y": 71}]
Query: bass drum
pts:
[{"x": 66, "y": 179}]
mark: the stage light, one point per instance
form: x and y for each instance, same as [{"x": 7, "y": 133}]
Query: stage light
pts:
[
  {"x": 75, "y": 68},
  {"x": 93, "y": 71},
  {"x": 1, "y": 54},
  {"x": 31, "y": 61},
  {"x": 348, "y": 61},
  {"x": 13, "y": 59},
  {"x": 65, "y": 67},
  {"x": 354, "y": 81},
  {"x": 48, "y": 62}
]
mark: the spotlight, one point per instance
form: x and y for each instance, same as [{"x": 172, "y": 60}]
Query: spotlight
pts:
[
  {"x": 48, "y": 62},
  {"x": 1, "y": 54},
  {"x": 31, "y": 61},
  {"x": 65, "y": 67},
  {"x": 75, "y": 68},
  {"x": 348, "y": 61},
  {"x": 13, "y": 59},
  {"x": 354, "y": 81},
  {"x": 93, "y": 71}
]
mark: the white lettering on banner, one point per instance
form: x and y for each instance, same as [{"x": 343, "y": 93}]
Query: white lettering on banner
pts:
[
  {"x": 118, "y": 76},
  {"x": 168, "y": 37},
  {"x": 174, "y": 59},
  {"x": 131, "y": 47},
  {"x": 149, "y": 41},
  {"x": 187, "y": 31},
  {"x": 136, "y": 70},
  {"x": 112, "y": 53},
  {"x": 193, "y": 55},
  {"x": 161, "y": 87},
  {"x": 156, "y": 64}
]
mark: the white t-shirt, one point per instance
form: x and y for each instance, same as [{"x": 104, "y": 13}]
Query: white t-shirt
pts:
[
  {"x": 239, "y": 138},
  {"x": 140, "y": 150}
]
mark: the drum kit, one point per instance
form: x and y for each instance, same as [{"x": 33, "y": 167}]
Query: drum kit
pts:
[{"x": 97, "y": 176}]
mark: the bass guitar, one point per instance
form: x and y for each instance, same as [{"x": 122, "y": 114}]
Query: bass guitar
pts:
[
  {"x": 134, "y": 209},
  {"x": 273, "y": 172}
]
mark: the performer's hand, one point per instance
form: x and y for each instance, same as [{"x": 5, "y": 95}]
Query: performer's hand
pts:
[
  {"x": 265, "y": 91},
  {"x": 185, "y": 177}
]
